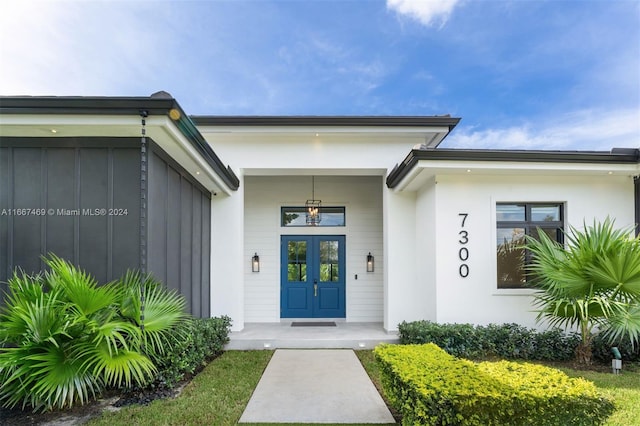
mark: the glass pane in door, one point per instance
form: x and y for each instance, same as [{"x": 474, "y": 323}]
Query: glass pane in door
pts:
[
  {"x": 297, "y": 261},
  {"x": 329, "y": 270}
]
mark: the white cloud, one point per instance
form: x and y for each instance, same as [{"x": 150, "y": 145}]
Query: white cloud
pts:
[
  {"x": 583, "y": 130},
  {"x": 428, "y": 12}
]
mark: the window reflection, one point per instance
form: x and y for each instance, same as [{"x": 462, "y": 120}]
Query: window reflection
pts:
[
  {"x": 297, "y": 261},
  {"x": 511, "y": 257},
  {"x": 545, "y": 213},
  {"x": 510, "y": 212},
  {"x": 329, "y": 270},
  {"x": 296, "y": 216}
]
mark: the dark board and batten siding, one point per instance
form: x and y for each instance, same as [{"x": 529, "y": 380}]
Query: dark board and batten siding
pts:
[
  {"x": 65, "y": 180},
  {"x": 70, "y": 175},
  {"x": 179, "y": 215}
]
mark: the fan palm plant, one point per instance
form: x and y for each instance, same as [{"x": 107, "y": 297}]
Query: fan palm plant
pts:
[
  {"x": 593, "y": 283},
  {"x": 164, "y": 311},
  {"x": 63, "y": 338}
]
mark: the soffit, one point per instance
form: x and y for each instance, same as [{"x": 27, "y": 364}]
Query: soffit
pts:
[
  {"x": 158, "y": 128},
  {"x": 426, "y": 170},
  {"x": 426, "y": 130},
  {"x": 409, "y": 137}
]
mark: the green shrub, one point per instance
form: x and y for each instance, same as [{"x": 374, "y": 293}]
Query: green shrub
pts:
[
  {"x": 510, "y": 341},
  {"x": 555, "y": 345},
  {"x": 602, "y": 350},
  {"x": 64, "y": 338},
  {"x": 201, "y": 340},
  {"x": 429, "y": 386},
  {"x": 457, "y": 339}
]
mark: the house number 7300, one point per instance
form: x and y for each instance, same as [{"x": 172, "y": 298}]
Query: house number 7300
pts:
[{"x": 463, "y": 253}]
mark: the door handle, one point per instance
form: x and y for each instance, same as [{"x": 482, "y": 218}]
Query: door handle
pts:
[{"x": 315, "y": 288}]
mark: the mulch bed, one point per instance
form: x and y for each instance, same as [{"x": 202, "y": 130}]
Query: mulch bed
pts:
[{"x": 110, "y": 401}]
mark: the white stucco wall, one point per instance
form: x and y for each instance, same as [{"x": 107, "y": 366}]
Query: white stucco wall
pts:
[
  {"x": 362, "y": 198},
  {"x": 413, "y": 230},
  {"x": 476, "y": 299},
  {"x": 427, "y": 256},
  {"x": 227, "y": 268},
  {"x": 402, "y": 296}
]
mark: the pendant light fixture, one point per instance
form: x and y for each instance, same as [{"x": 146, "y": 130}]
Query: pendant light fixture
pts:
[{"x": 312, "y": 207}]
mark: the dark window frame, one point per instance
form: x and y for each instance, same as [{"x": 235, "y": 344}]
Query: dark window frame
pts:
[{"x": 529, "y": 226}]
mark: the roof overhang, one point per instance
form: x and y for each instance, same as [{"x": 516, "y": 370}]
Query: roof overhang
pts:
[
  {"x": 428, "y": 130},
  {"x": 421, "y": 165},
  {"x": 166, "y": 124}
]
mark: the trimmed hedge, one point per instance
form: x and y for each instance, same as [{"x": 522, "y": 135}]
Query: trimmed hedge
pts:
[
  {"x": 428, "y": 386},
  {"x": 602, "y": 350},
  {"x": 197, "y": 342},
  {"x": 510, "y": 341}
]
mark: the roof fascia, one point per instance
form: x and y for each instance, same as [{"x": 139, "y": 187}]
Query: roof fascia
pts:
[
  {"x": 616, "y": 156},
  {"x": 327, "y": 121},
  {"x": 77, "y": 105},
  {"x": 123, "y": 106}
]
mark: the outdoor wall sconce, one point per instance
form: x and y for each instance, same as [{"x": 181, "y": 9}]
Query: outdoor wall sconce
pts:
[
  {"x": 255, "y": 263},
  {"x": 370, "y": 262}
]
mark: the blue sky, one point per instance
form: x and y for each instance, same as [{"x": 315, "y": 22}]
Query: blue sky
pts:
[{"x": 522, "y": 74}]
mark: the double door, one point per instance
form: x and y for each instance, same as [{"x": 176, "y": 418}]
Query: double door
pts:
[{"x": 312, "y": 283}]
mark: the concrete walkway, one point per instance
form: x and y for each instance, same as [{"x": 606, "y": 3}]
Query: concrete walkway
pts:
[{"x": 315, "y": 386}]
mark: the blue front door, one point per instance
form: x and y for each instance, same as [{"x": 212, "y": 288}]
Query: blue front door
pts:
[{"x": 312, "y": 283}]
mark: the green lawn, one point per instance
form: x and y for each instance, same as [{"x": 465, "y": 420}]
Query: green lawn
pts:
[
  {"x": 219, "y": 394},
  {"x": 216, "y": 396},
  {"x": 623, "y": 389}
]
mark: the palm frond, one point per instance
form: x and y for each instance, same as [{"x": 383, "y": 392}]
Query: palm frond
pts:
[
  {"x": 163, "y": 310},
  {"x": 618, "y": 270},
  {"x": 33, "y": 319},
  {"x": 130, "y": 295},
  {"x": 80, "y": 288},
  {"x": 44, "y": 377},
  {"x": 123, "y": 368},
  {"x": 624, "y": 325},
  {"x": 593, "y": 281}
]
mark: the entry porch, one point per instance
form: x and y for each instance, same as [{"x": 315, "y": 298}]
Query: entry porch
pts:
[{"x": 279, "y": 335}]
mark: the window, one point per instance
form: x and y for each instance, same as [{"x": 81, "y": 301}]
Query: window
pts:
[
  {"x": 296, "y": 216},
  {"x": 514, "y": 221}
]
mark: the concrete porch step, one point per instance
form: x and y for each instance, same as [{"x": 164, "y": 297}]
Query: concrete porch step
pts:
[{"x": 282, "y": 335}]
